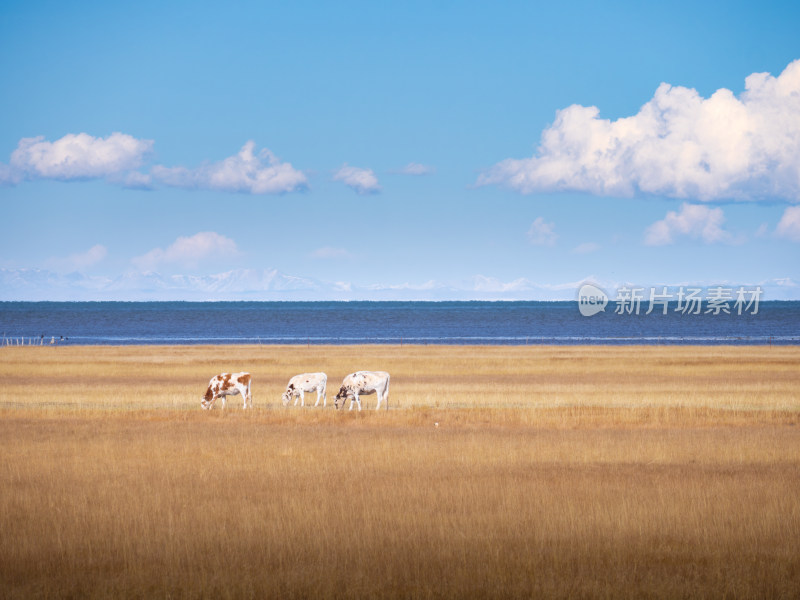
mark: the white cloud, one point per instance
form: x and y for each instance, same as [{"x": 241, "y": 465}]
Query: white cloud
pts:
[
  {"x": 342, "y": 286},
  {"x": 541, "y": 233},
  {"x": 118, "y": 157},
  {"x": 327, "y": 252},
  {"x": 784, "y": 282},
  {"x": 586, "y": 248},
  {"x": 416, "y": 169},
  {"x": 361, "y": 180},
  {"x": 75, "y": 156},
  {"x": 482, "y": 283},
  {"x": 789, "y": 225},
  {"x": 137, "y": 181},
  {"x": 189, "y": 251},
  {"x": 694, "y": 221},
  {"x": 679, "y": 144},
  {"x": 80, "y": 260},
  {"x": 9, "y": 176},
  {"x": 247, "y": 172}
]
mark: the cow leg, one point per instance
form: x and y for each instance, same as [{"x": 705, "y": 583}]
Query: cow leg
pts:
[
  {"x": 358, "y": 401},
  {"x": 302, "y": 398},
  {"x": 383, "y": 395},
  {"x": 296, "y": 398},
  {"x": 242, "y": 391}
]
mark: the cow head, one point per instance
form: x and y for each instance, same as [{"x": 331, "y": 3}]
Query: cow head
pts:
[
  {"x": 207, "y": 401},
  {"x": 342, "y": 395},
  {"x": 287, "y": 395}
]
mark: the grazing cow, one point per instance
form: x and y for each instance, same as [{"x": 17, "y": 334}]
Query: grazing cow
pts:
[
  {"x": 364, "y": 382},
  {"x": 307, "y": 382},
  {"x": 227, "y": 384}
]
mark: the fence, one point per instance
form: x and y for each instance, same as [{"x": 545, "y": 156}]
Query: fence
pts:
[{"x": 31, "y": 341}]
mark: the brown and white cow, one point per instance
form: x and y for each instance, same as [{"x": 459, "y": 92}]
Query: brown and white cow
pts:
[
  {"x": 227, "y": 384},
  {"x": 364, "y": 382},
  {"x": 307, "y": 382}
]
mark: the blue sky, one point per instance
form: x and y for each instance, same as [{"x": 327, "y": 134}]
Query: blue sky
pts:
[{"x": 383, "y": 150}]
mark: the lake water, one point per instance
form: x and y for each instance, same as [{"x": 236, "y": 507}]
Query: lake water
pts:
[{"x": 506, "y": 323}]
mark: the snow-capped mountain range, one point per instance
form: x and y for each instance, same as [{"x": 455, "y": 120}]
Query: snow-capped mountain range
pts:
[{"x": 29, "y": 284}]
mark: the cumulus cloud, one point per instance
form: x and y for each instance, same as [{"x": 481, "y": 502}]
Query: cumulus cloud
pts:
[
  {"x": 679, "y": 144},
  {"x": 541, "y": 233},
  {"x": 75, "y": 156},
  {"x": 247, "y": 171},
  {"x": 119, "y": 157},
  {"x": 188, "y": 251},
  {"x": 789, "y": 225},
  {"x": 413, "y": 168},
  {"x": 693, "y": 220},
  {"x": 80, "y": 260},
  {"x": 362, "y": 181}
]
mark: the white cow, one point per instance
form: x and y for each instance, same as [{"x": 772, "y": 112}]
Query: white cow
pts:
[
  {"x": 364, "y": 382},
  {"x": 227, "y": 384},
  {"x": 307, "y": 382}
]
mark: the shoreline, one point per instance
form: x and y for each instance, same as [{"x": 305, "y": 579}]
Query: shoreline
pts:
[{"x": 633, "y": 344}]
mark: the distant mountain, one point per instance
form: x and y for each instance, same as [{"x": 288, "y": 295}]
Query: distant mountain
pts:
[
  {"x": 41, "y": 284},
  {"x": 253, "y": 284},
  {"x": 239, "y": 281},
  {"x": 271, "y": 284},
  {"x": 240, "y": 284}
]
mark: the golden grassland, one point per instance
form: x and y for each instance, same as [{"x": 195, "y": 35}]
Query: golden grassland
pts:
[{"x": 553, "y": 472}]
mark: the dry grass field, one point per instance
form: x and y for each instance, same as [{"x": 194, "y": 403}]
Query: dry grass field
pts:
[{"x": 602, "y": 472}]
